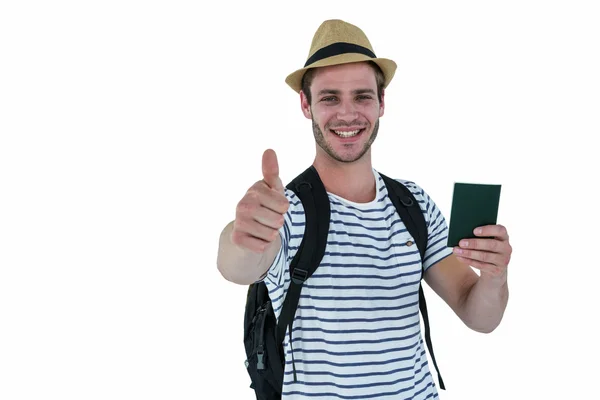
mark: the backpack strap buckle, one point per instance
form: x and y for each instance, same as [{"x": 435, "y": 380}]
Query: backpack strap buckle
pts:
[{"x": 299, "y": 275}]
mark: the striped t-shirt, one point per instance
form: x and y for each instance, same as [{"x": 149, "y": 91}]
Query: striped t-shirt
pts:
[{"x": 356, "y": 334}]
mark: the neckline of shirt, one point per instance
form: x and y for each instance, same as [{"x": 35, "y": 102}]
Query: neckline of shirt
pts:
[{"x": 367, "y": 205}]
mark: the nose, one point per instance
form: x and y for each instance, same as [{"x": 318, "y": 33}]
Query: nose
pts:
[{"x": 347, "y": 111}]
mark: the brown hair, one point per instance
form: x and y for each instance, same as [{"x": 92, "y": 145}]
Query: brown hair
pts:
[{"x": 309, "y": 75}]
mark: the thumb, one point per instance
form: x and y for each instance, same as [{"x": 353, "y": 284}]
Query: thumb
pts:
[{"x": 270, "y": 170}]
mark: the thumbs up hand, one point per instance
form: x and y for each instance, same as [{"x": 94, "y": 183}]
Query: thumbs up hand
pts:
[{"x": 260, "y": 213}]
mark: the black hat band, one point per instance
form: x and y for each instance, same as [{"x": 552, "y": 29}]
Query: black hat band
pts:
[{"x": 338, "y": 48}]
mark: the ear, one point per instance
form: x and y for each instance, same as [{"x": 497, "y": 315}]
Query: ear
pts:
[
  {"x": 382, "y": 103},
  {"x": 305, "y": 105}
]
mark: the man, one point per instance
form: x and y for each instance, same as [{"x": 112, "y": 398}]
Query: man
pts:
[{"x": 357, "y": 331}]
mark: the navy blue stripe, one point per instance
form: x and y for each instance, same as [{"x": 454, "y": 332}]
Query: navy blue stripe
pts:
[
  {"x": 359, "y": 255},
  {"x": 414, "y": 293},
  {"x": 369, "y": 266},
  {"x": 357, "y": 309},
  {"x": 363, "y": 375},
  {"x": 356, "y": 298},
  {"x": 442, "y": 240},
  {"x": 364, "y": 235},
  {"x": 278, "y": 300},
  {"x": 390, "y": 215},
  {"x": 384, "y": 239},
  {"x": 436, "y": 222},
  {"x": 348, "y": 331},
  {"x": 430, "y": 384},
  {"x": 270, "y": 279},
  {"x": 434, "y": 234},
  {"x": 366, "y": 246},
  {"x": 360, "y": 235},
  {"x": 379, "y": 394},
  {"x": 364, "y": 385},
  {"x": 350, "y": 320},
  {"x": 349, "y": 353},
  {"x": 288, "y": 233},
  {"x": 368, "y": 228},
  {"x": 363, "y": 276},
  {"x": 363, "y": 287},
  {"x": 429, "y": 256},
  {"x": 350, "y": 342}
]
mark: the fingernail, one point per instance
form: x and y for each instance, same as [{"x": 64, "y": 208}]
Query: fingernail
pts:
[
  {"x": 457, "y": 250},
  {"x": 464, "y": 243},
  {"x": 477, "y": 231}
]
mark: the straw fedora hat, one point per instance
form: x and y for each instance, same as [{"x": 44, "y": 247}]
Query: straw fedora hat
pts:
[{"x": 339, "y": 42}]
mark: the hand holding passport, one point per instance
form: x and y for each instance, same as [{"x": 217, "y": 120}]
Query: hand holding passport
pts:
[{"x": 473, "y": 205}]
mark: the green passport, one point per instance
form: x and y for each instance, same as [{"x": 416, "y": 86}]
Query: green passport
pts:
[{"x": 473, "y": 205}]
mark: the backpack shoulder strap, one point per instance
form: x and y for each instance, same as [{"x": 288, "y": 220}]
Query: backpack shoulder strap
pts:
[
  {"x": 409, "y": 210},
  {"x": 315, "y": 201},
  {"x": 317, "y": 210}
]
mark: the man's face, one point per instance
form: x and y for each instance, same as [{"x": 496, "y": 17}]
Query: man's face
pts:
[{"x": 345, "y": 110}]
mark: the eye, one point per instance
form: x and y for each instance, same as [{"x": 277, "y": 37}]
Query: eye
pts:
[
  {"x": 329, "y": 99},
  {"x": 364, "y": 97}
]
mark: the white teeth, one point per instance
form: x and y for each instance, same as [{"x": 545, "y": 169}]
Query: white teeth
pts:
[{"x": 347, "y": 134}]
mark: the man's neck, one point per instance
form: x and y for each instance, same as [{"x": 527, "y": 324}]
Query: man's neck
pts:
[{"x": 351, "y": 181}]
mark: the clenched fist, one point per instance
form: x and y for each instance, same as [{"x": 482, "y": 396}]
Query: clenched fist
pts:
[{"x": 259, "y": 215}]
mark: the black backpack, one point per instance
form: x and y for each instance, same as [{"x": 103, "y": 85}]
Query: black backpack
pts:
[{"x": 263, "y": 334}]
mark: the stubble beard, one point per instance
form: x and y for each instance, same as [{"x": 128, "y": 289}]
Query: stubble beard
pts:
[{"x": 320, "y": 139}]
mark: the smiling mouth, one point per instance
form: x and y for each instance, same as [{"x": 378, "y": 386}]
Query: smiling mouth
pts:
[{"x": 346, "y": 133}]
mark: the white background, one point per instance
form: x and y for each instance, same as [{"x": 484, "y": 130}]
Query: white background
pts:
[{"x": 130, "y": 130}]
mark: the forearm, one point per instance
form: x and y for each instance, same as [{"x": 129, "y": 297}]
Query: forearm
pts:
[
  {"x": 485, "y": 303},
  {"x": 242, "y": 266}
]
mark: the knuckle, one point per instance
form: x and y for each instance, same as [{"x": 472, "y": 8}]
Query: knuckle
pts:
[
  {"x": 282, "y": 203},
  {"x": 240, "y": 207},
  {"x": 493, "y": 245},
  {"x": 237, "y": 238},
  {"x": 242, "y": 204},
  {"x": 280, "y": 221},
  {"x": 238, "y": 226},
  {"x": 247, "y": 207},
  {"x": 484, "y": 256},
  {"x": 252, "y": 196},
  {"x": 258, "y": 185}
]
